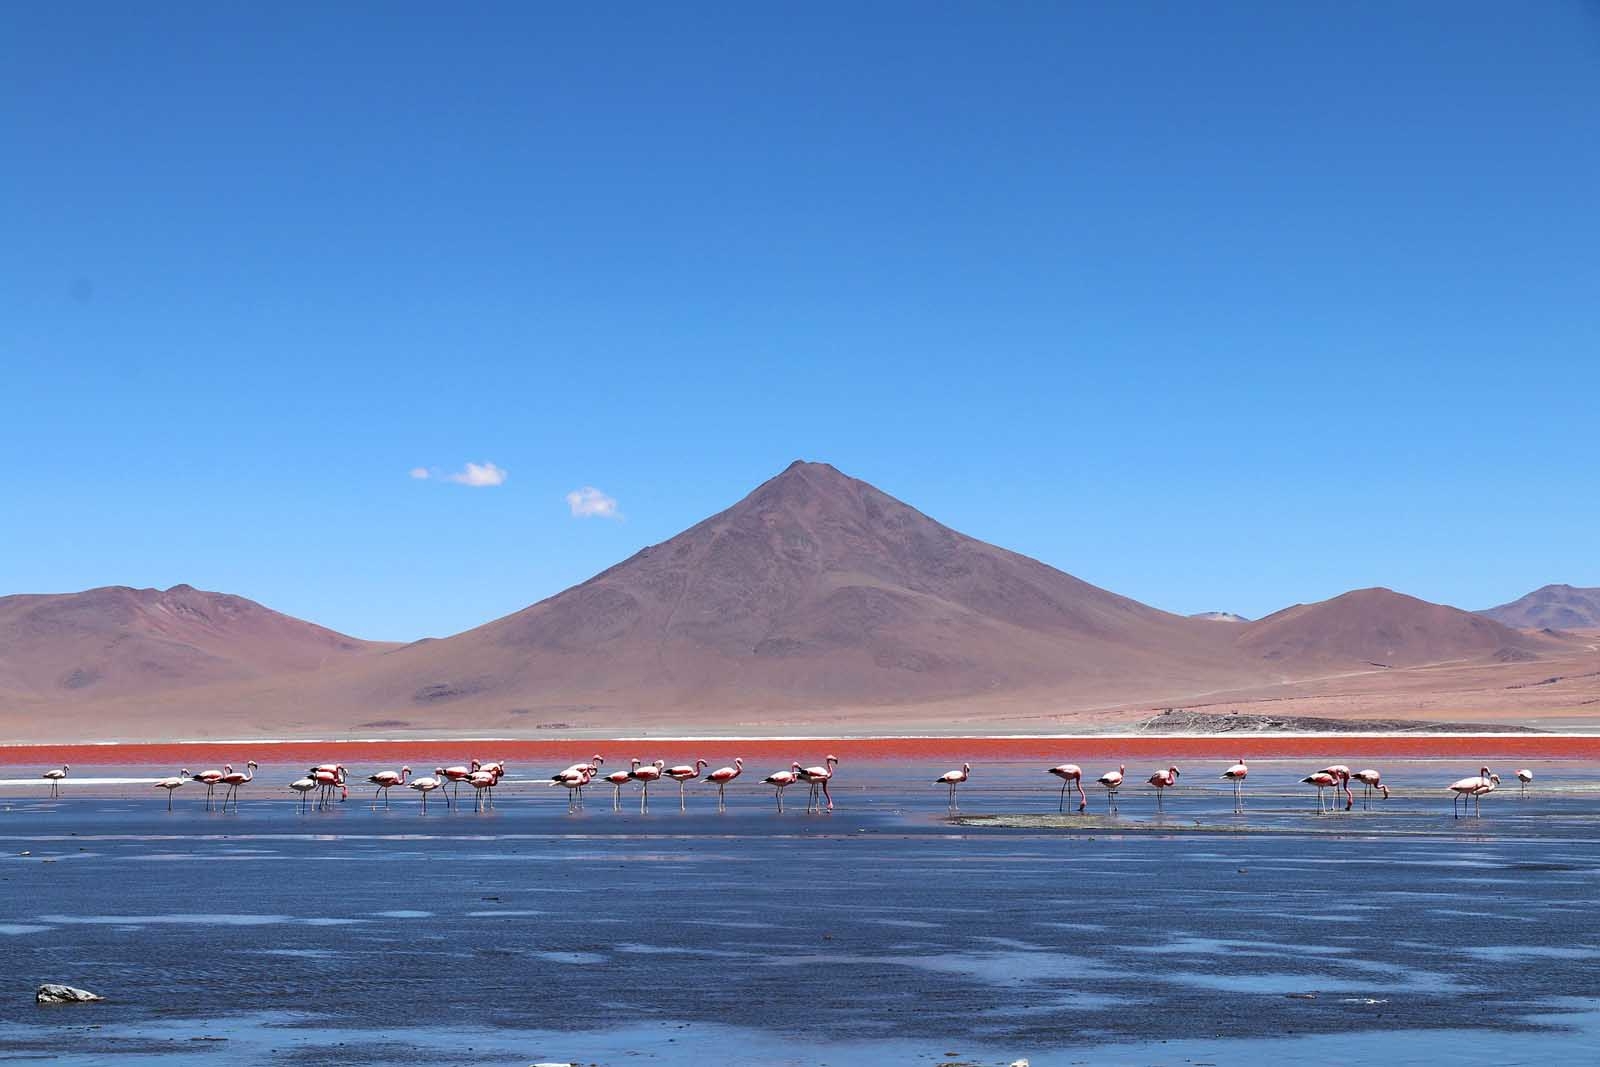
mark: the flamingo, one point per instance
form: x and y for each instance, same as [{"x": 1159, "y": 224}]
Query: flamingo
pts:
[
  {"x": 385, "y": 780},
  {"x": 1524, "y": 776},
  {"x": 233, "y": 780},
  {"x": 618, "y": 779},
  {"x": 953, "y": 779},
  {"x": 781, "y": 780},
  {"x": 1342, "y": 773},
  {"x": 1163, "y": 780},
  {"x": 722, "y": 776},
  {"x": 1237, "y": 774},
  {"x": 819, "y": 777},
  {"x": 175, "y": 782},
  {"x": 574, "y": 781},
  {"x": 1474, "y": 787},
  {"x": 650, "y": 772},
  {"x": 482, "y": 783},
  {"x": 1370, "y": 780},
  {"x": 303, "y": 786},
  {"x": 426, "y": 786},
  {"x": 209, "y": 779},
  {"x": 1112, "y": 780},
  {"x": 1070, "y": 774},
  {"x": 54, "y": 778},
  {"x": 458, "y": 774},
  {"x": 684, "y": 773},
  {"x": 330, "y": 776},
  {"x": 1323, "y": 780},
  {"x": 589, "y": 770}
]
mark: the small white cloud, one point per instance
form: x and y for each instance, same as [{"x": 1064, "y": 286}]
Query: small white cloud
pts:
[
  {"x": 479, "y": 475},
  {"x": 591, "y": 503},
  {"x": 420, "y": 473}
]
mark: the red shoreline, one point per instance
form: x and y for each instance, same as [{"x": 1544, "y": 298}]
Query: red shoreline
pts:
[{"x": 543, "y": 750}]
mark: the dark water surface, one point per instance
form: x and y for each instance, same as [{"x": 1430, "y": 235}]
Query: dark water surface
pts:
[{"x": 880, "y": 934}]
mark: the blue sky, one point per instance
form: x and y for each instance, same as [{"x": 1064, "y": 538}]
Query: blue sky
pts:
[{"x": 1216, "y": 305}]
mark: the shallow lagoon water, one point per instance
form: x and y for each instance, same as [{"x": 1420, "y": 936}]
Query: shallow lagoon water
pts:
[{"x": 880, "y": 934}]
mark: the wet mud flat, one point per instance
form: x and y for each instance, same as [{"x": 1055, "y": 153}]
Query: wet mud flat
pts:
[{"x": 887, "y": 932}]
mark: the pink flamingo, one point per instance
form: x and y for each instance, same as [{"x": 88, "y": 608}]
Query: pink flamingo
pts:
[
  {"x": 819, "y": 777},
  {"x": 303, "y": 786},
  {"x": 1370, "y": 780},
  {"x": 329, "y": 777},
  {"x": 780, "y": 781},
  {"x": 1070, "y": 774},
  {"x": 54, "y": 778},
  {"x": 457, "y": 775},
  {"x": 953, "y": 779},
  {"x": 721, "y": 777},
  {"x": 682, "y": 774},
  {"x": 1112, "y": 781},
  {"x": 426, "y": 786},
  {"x": 650, "y": 772},
  {"x": 1324, "y": 780},
  {"x": 1524, "y": 776},
  {"x": 588, "y": 770},
  {"x": 1162, "y": 781},
  {"x": 1237, "y": 774},
  {"x": 175, "y": 782},
  {"x": 1477, "y": 787},
  {"x": 574, "y": 781},
  {"x": 209, "y": 779},
  {"x": 482, "y": 783},
  {"x": 618, "y": 779},
  {"x": 1342, "y": 773},
  {"x": 386, "y": 780},
  {"x": 233, "y": 780}
]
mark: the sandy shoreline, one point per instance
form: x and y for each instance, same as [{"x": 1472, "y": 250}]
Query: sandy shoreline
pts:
[{"x": 1045, "y": 747}]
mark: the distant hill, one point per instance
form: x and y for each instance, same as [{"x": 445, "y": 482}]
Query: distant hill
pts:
[
  {"x": 117, "y": 642},
  {"x": 1381, "y": 628},
  {"x": 1219, "y": 616},
  {"x": 1555, "y": 607}
]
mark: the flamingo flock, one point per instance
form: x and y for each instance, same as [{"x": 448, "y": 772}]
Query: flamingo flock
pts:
[{"x": 328, "y": 783}]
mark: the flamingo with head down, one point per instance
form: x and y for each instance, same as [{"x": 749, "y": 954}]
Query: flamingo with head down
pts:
[
  {"x": 1371, "y": 782},
  {"x": 1163, "y": 781},
  {"x": 1070, "y": 774},
  {"x": 1524, "y": 776}
]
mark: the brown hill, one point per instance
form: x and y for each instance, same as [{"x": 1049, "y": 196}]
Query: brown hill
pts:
[
  {"x": 1555, "y": 607},
  {"x": 116, "y": 642},
  {"x": 815, "y": 590},
  {"x": 1380, "y": 628}
]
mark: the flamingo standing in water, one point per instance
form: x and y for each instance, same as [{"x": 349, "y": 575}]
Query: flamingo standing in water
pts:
[
  {"x": 1112, "y": 781},
  {"x": 573, "y": 782},
  {"x": 1237, "y": 774},
  {"x": 819, "y": 777},
  {"x": 175, "y": 782},
  {"x": 1162, "y": 781},
  {"x": 650, "y": 772},
  {"x": 233, "y": 780},
  {"x": 1343, "y": 775},
  {"x": 457, "y": 775},
  {"x": 722, "y": 776},
  {"x": 482, "y": 783},
  {"x": 1324, "y": 780},
  {"x": 1524, "y": 776},
  {"x": 209, "y": 779},
  {"x": 386, "y": 780},
  {"x": 1070, "y": 774},
  {"x": 953, "y": 779},
  {"x": 683, "y": 773},
  {"x": 329, "y": 777},
  {"x": 54, "y": 778},
  {"x": 1473, "y": 787},
  {"x": 781, "y": 780},
  {"x": 303, "y": 786},
  {"x": 588, "y": 770},
  {"x": 426, "y": 786},
  {"x": 618, "y": 779},
  {"x": 1371, "y": 781}
]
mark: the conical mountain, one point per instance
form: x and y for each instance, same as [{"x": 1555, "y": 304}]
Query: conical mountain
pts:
[
  {"x": 815, "y": 590},
  {"x": 1556, "y": 607}
]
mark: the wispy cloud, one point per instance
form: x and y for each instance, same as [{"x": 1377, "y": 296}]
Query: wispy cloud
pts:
[
  {"x": 479, "y": 475},
  {"x": 591, "y": 503},
  {"x": 420, "y": 473}
]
